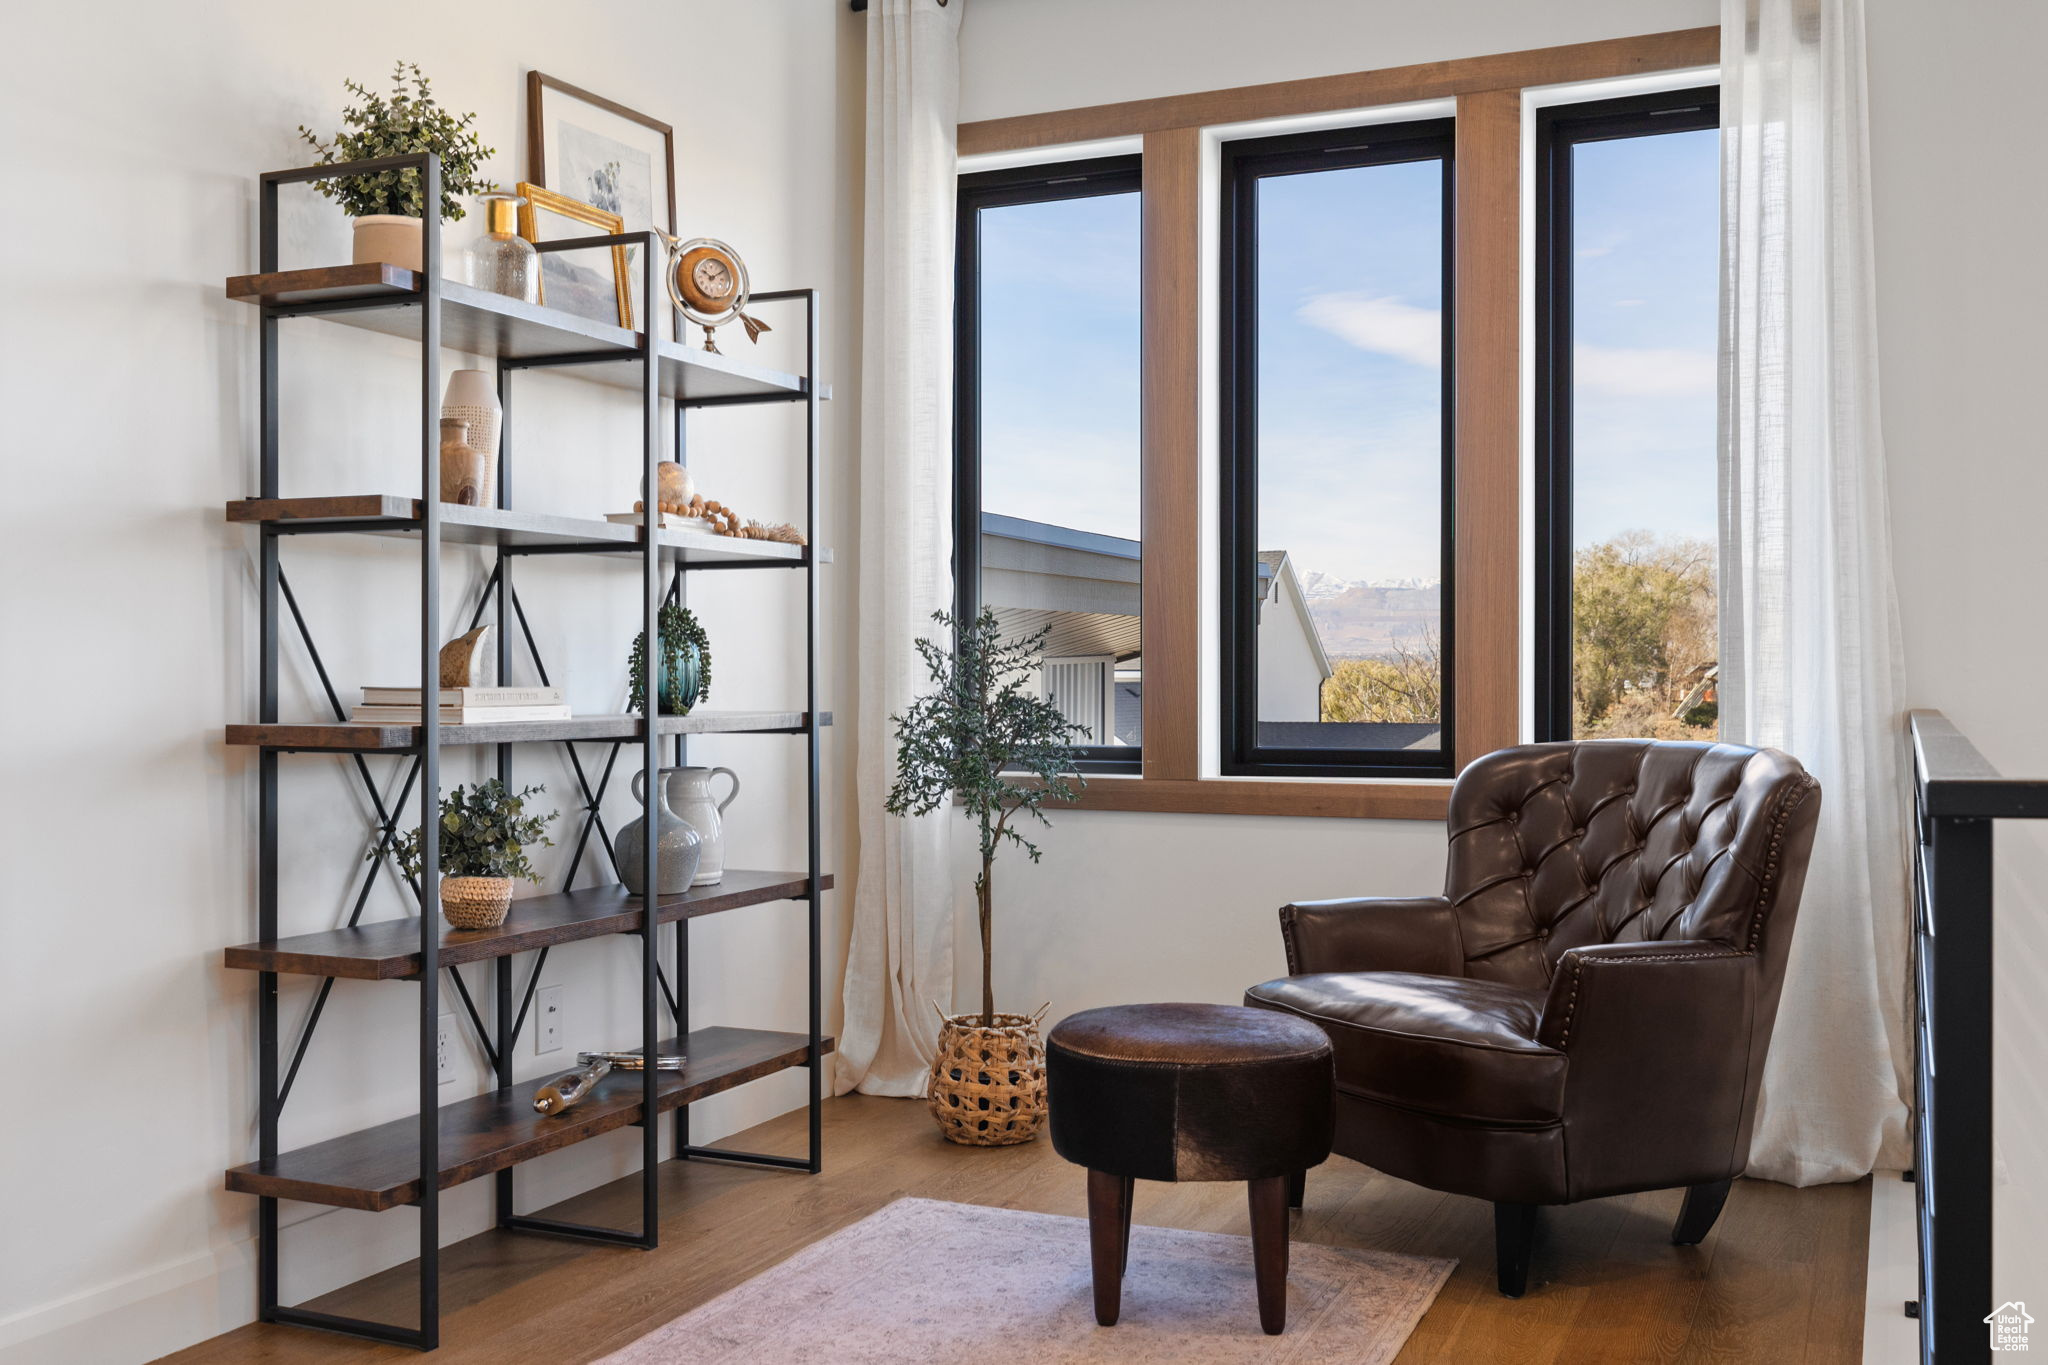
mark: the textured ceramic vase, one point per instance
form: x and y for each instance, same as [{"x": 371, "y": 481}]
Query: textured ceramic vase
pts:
[
  {"x": 677, "y": 847},
  {"x": 689, "y": 796},
  {"x": 472, "y": 397},
  {"x": 465, "y": 473},
  {"x": 389, "y": 238}
]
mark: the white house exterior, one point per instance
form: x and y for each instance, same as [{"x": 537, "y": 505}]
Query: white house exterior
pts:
[{"x": 1292, "y": 664}]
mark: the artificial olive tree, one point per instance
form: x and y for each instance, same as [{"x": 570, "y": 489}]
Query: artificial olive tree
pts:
[{"x": 984, "y": 733}]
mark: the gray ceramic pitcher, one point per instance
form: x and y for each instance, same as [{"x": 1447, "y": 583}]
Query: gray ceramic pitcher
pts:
[
  {"x": 678, "y": 849},
  {"x": 689, "y": 795}
]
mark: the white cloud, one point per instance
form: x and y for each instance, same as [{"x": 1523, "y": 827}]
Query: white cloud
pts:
[
  {"x": 1384, "y": 326},
  {"x": 1644, "y": 373}
]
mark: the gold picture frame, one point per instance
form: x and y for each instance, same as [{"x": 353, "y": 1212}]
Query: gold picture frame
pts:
[{"x": 539, "y": 199}]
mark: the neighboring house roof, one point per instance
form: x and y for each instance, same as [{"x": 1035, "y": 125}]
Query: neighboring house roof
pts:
[
  {"x": 1276, "y": 568},
  {"x": 1082, "y": 587},
  {"x": 1323, "y": 734}
]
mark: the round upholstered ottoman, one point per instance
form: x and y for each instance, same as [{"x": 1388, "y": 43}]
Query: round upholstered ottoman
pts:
[{"x": 1190, "y": 1092}]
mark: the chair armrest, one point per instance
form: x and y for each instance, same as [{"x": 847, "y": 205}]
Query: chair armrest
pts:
[
  {"x": 1374, "y": 935},
  {"x": 1662, "y": 1062},
  {"x": 1673, "y": 989}
]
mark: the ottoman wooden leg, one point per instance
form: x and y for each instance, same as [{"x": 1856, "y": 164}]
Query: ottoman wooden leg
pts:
[
  {"x": 1109, "y": 1221},
  {"x": 1269, "y": 1249},
  {"x": 1130, "y": 1201}
]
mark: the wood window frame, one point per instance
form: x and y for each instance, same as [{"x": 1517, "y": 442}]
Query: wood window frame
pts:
[{"x": 1487, "y": 550}]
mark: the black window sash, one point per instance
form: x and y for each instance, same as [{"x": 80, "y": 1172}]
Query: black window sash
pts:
[
  {"x": 1039, "y": 184},
  {"x": 1560, "y": 128},
  {"x": 1245, "y": 164}
]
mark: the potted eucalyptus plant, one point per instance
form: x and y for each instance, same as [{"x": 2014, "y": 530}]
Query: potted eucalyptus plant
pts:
[
  {"x": 985, "y": 736},
  {"x": 485, "y": 835},
  {"x": 388, "y": 208}
]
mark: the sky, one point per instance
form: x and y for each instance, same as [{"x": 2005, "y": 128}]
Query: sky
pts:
[{"x": 1349, "y": 380}]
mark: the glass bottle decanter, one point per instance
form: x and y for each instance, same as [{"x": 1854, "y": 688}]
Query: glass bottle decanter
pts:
[{"x": 501, "y": 260}]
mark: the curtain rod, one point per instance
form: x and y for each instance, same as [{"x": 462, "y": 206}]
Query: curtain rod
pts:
[{"x": 861, "y": 6}]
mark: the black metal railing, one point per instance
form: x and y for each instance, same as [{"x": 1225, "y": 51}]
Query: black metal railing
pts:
[{"x": 1956, "y": 796}]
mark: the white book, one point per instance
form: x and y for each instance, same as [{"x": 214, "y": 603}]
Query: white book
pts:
[
  {"x": 466, "y": 696},
  {"x": 458, "y": 715}
]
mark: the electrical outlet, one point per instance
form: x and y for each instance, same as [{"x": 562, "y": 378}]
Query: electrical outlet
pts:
[
  {"x": 547, "y": 1030},
  {"x": 444, "y": 1049}
]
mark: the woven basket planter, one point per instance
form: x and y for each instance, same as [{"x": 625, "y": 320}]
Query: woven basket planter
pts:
[
  {"x": 475, "y": 902},
  {"x": 988, "y": 1084}
]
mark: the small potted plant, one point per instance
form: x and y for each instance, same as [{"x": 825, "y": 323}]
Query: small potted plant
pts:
[
  {"x": 388, "y": 207},
  {"x": 682, "y": 672},
  {"x": 485, "y": 834},
  {"x": 984, "y": 734}
]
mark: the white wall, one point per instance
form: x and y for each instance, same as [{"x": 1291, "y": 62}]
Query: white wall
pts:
[
  {"x": 1135, "y": 907},
  {"x": 1955, "y": 117},
  {"x": 128, "y": 635}
]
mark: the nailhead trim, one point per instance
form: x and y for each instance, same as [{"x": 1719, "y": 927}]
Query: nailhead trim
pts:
[
  {"x": 1791, "y": 802},
  {"x": 1579, "y": 961}
]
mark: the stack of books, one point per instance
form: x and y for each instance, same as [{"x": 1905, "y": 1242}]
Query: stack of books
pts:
[{"x": 462, "y": 705}]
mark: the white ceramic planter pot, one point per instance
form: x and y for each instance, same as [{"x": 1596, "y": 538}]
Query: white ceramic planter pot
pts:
[
  {"x": 472, "y": 397},
  {"x": 390, "y": 238}
]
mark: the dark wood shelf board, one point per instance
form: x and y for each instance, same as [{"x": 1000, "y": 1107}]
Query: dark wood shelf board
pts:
[
  {"x": 378, "y": 1168},
  {"x": 370, "y": 737},
  {"x": 390, "y": 950},
  {"x": 386, "y": 298},
  {"x": 375, "y": 513}
]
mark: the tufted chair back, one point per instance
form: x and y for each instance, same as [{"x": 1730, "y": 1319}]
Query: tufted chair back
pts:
[{"x": 1558, "y": 846}]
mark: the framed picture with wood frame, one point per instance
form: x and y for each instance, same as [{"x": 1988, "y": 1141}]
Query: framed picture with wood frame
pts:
[
  {"x": 602, "y": 153},
  {"x": 565, "y": 284}
]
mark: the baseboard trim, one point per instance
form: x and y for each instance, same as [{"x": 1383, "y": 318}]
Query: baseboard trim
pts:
[{"x": 1892, "y": 1275}]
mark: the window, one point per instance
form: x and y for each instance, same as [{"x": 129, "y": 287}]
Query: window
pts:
[
  {"x": 1046, "y": 439},
  {"x": 1628, "y": 242},
  {"x": 1336, "y": 474}
]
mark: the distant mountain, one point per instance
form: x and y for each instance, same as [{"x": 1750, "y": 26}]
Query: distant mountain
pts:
[
  {"x": 1362, "y": 620},
  {"x": 1316, "y": 585}
]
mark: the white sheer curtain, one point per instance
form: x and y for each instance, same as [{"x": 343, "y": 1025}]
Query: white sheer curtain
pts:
[
  {"x": 1809, "y": 622},
  {"x": 901, "y": 957}
]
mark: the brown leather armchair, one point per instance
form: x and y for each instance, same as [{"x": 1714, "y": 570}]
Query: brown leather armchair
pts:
[{"x": 1586, "y": 1009}]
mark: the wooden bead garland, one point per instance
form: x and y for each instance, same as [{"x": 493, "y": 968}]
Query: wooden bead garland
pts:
[{"x": 726, "y": 522}]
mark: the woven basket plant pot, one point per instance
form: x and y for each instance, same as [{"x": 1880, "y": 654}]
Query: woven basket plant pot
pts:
[
  {"x": 988, "y": 1084},
  {"x": 475, "y": 902}
]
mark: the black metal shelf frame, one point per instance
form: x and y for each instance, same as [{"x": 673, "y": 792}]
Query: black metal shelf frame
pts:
[
  {"x": 423, "y": 775},
  {"x": 1956, "y": 796}
]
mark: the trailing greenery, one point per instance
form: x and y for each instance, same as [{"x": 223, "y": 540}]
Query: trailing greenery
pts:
[
  {"x": 407, "y": 123},
  {"x": 680, "y": 633},
  {"x": 484, "y": 833},
  {"x": 985, "y": 734}
]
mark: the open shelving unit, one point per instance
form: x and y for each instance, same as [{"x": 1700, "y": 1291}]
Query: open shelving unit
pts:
[{"x": 409, "y": 1161}]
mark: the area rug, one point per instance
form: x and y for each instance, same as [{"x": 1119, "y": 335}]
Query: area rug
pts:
[{"x": 925, "y": 1280}]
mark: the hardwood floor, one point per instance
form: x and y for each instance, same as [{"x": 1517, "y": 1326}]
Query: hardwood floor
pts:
[{"x": 1780, "y": 1278}]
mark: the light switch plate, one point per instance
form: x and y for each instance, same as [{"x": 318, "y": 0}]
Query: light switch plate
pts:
[{"x": 547, "y": 1026}]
